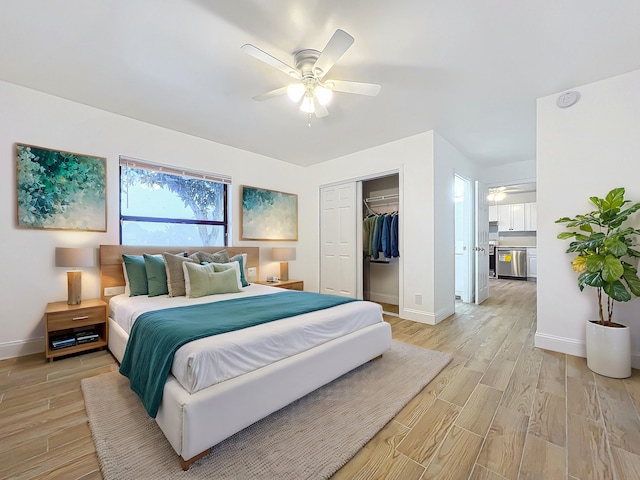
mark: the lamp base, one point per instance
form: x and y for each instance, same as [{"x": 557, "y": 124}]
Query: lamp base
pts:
[
  {"x": 74, "y": 287},
  {"x": 284, "y": 270}
]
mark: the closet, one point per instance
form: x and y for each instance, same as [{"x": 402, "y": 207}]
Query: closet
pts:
[{"x": 380, "y": 267}]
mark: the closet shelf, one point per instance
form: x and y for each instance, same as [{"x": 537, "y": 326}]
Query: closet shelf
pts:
[{"x": 380, "y": 198}]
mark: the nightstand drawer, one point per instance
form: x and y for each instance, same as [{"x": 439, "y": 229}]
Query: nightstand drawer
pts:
[{"x": 75, "y": 318}]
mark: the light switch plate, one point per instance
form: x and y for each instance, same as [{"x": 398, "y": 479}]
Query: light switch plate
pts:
[{"x": 111, "y": 291}]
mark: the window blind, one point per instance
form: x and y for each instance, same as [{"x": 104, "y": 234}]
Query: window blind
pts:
[{"x": 184, "y": 172}]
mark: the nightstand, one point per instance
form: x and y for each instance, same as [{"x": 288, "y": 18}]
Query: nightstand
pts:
[
  {"x": 65, "y": 321},
  {"x": 287, "y": 284}
]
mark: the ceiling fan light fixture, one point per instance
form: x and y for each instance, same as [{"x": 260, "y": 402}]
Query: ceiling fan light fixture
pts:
[
  {"x": 496, "y": 194},
  {"x": 295, "y": 92},
  {"x": 307, "y": 105},
  {"x": 323, "y": 95}
]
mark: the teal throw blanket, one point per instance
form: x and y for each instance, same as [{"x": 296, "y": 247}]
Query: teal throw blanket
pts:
[{"x": 157, "y": 335}]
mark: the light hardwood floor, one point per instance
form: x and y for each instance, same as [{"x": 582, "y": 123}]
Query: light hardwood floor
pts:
[{"x": 501, "y": 409}]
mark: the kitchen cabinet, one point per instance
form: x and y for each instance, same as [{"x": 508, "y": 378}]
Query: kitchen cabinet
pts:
[
  {"x": 532, "y": 263},
  {"x": 493, "y": 213},
  {"x": 530, "y": 217},
  {"x": 511, "y": 218}
]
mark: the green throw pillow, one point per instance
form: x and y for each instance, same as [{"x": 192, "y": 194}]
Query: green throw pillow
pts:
[
  {"x": 221, "y": 267},
  {"x": 156, "y": 275},
  {"x": 204, "y": 280},
  {"x": 136, "y": 274}
]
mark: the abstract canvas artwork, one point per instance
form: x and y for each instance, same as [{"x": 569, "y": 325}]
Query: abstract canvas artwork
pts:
[
  {"x": 268, "y": 215},
  {"x": 60, "y": 190}
]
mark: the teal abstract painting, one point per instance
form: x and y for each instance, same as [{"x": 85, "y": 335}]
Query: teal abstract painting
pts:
[
  {"x": 268, "y": 215},
  {"x": 60, "y": 190}
]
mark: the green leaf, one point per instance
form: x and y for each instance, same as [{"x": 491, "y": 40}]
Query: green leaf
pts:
[
  {"x": 615, "y": 198},
  {"x": 595, "y": 263},
  {"x": 564, "y": 219},
  {"x": 612, "y": 269},
  {"x": 633, "y": 253},
  {"x": 586, "y": 228},
  {"x": 590, "y": 279},
  {"x": 565, "y": 235},
  {"x": 597, "y": 202},
  {"x": 630, "y": 276},
  {"x": 615, "y": 247},
  {"x": 617, "y": 291}
]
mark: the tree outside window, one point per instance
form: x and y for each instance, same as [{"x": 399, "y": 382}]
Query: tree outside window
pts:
[{"x": 159, "y": 208}]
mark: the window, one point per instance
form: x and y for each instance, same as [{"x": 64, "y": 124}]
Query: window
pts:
[{"x": 168, "y": 206}]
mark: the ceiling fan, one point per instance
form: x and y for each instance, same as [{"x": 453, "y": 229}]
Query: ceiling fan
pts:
[{"x": 312, "y": 91}]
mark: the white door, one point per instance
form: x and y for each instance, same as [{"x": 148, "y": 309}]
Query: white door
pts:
[
  {"x": 338, "y": 227},
  {"x": 463, "y": 239},
  {"x": 482, "y": 244}
]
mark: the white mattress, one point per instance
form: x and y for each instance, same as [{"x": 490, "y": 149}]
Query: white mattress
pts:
[{"x": 205, "y": 362}]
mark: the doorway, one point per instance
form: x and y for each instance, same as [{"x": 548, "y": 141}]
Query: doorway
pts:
[
  {"x": 381, "y": 268},
  {"x": 463, "y": 239}
]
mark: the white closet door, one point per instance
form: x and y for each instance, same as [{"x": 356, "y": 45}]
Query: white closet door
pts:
[
  {"x": 482, "y": 244},
  {"x": 338, "y": 227}
]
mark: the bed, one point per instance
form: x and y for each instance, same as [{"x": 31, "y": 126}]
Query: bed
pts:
[{"x": 196, "y": 415}]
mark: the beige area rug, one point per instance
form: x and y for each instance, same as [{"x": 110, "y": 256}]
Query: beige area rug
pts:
[{"x": 311, "y": 438}]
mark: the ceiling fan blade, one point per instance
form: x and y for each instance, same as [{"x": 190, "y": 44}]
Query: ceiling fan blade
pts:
[
  {"x": 270, "y": 60},
  {"x": 319, "y": 110},
  {"x": 337, "y": 46},
  {"x": 273, "y": 93},
  {"x": 360, "y": 88}
]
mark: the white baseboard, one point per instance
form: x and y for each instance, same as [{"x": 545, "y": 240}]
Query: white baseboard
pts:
[
  {"x": 20, "y": 348},
  {"x": 571, "y": 346},
  {"x": 383, "y": 297},
  {"x": 429, "y": 318}
]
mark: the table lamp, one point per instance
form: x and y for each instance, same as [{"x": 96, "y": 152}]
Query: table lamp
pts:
[
  {"x": 283, "y": 255},
  {"x": 74, "y": 258}
]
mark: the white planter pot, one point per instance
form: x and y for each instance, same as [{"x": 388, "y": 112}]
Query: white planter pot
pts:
[{"x": 609, "y": 350}]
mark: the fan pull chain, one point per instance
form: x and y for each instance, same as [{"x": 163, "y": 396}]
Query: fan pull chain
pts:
[{"x": 309, "y": 121}]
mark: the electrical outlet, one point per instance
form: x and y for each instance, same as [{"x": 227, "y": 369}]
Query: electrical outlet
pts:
[
  {"x": 111, "y": 291},
  {"x": 418, "y": 299}
]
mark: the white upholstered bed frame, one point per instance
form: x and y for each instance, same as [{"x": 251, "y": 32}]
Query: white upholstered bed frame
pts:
[{"x": 193, "y": 423}]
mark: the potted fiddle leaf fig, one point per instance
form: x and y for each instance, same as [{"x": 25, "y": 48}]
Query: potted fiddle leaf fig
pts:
[{"x": 604, "y": 244}]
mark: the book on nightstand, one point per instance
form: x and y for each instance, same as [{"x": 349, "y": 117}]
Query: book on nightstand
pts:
[
  {"x": 86, "y": 336},
  {"x": 63, "y": 341}
]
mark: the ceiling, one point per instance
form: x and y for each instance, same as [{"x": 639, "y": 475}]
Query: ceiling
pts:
[{"x": 469, "y": 69}]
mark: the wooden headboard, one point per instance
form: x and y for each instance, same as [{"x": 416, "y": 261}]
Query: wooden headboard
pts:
[{"x": 112, "y": 275}]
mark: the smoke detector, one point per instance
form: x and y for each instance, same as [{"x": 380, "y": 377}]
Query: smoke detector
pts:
[{"x": 567, "y": 99}]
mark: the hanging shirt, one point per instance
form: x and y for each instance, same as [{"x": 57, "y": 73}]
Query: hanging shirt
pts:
[
  {"x": 386, "y": 236},
  {"x": 394, "y": 235},
  {"x": 377, "y": 237}
]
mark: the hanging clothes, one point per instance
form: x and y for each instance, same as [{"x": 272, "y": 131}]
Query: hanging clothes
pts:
[
  {"x": 394, "y": 236},
  {"x": 380, "y": 235},
  {"x": 376, "y": 243},
  {"x": 368, "y": 226},
  {"x": 386, "y": 237}
]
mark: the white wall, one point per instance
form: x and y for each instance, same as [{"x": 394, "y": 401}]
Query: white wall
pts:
[
  {"x": 508, "y": 174},
  {"x": 31, "y": 279},
  {"x": 583, "y": 150},
  {"x": 426, "y": 163}
]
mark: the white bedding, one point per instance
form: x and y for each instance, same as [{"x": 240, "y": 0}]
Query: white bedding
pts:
[{"x": 205, "y": 362}]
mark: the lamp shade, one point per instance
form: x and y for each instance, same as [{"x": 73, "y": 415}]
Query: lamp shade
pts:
[
  {"x": 283, "y": 254},
  {"x": 74, "y": 257}
]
